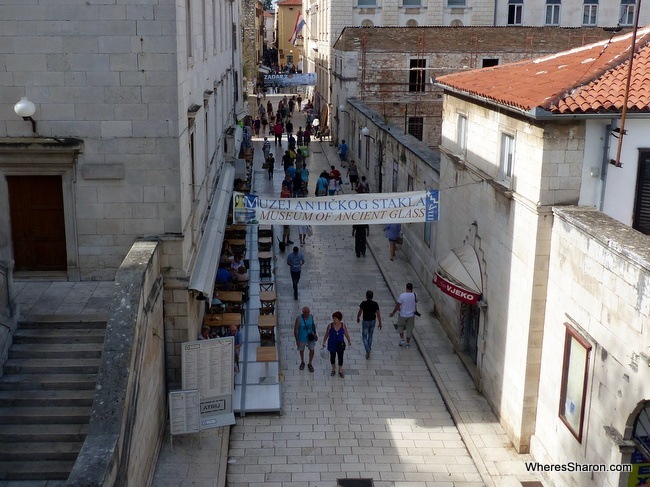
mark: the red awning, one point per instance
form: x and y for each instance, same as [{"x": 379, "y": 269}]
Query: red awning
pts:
[{"x": 459, "y": 275}]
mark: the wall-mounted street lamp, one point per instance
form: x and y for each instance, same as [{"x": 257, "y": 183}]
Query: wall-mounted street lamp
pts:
[
  {"x": 365, "y": 131},
  {"x": 25, "y": 108}
]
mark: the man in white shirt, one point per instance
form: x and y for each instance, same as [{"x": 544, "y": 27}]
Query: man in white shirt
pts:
[{"x": 406, "y": 318}]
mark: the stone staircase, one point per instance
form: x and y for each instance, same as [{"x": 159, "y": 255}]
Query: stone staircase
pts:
[{"x": 46, "y": 396}]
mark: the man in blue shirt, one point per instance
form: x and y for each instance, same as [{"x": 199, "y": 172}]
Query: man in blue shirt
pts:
[
  {"x": 343, "y": 150},
  {"x": 223, "y": 277},
  {"x": 295, "y": 260}
]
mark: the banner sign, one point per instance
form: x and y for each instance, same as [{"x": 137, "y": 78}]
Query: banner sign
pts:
[
  {"x": 457, "y": 292},
  {"x": 344, "y": 209},
  {"x": 290, "y": 79}
]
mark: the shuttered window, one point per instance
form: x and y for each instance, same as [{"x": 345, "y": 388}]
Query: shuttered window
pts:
[{"x": 642, "y": 205}]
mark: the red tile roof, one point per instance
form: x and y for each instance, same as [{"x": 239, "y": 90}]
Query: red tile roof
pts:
[
  {"x": 289, "y": 2},
  {"x": 588, "y": 79}
]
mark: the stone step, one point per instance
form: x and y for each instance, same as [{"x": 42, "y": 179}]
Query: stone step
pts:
[
  {"x": 56, "y": 350},
  {"x": 41, "y": 433},
  {"x": 77, "y": 325},
  {"x": 51, "y": 470},
  {"x": 44, "y": 415},
  {"x": 12, "y": 382},
  {"x": 58, "y": 336},
  {"x": 44, "y": 397},
  {"x": 51, "y": 366},
  {"x": 40, "y": 450}
]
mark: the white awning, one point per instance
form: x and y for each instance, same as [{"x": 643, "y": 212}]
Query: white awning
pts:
[
  {"x": 460, "y": 275},
  {"x": 205, "y": 266}
]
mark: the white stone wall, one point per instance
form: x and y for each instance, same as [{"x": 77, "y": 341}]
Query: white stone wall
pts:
[
  {"x": 513, "y": 232},
  {"x": 571, "y": 13},
  {"x": 599, "y": 282}
]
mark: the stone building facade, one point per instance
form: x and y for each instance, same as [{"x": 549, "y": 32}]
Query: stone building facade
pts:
[
  {"x": 392, "y": 69},
  {"x": 134, "y": 124}
]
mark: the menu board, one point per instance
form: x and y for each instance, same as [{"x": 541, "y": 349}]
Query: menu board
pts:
[
  {"x": 208, "y": 365},
  {"x": 184, "y": 412}
]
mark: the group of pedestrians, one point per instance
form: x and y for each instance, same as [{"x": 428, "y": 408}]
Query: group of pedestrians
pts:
[{"x": 337, "y": 334}]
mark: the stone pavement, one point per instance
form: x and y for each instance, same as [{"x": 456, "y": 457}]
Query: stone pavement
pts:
[{"x": 403, "y": 418}]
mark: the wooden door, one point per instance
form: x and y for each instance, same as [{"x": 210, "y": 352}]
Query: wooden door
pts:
[{"x": 37, "y": 222}]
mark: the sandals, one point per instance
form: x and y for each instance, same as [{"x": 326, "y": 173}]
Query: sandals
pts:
[
  {"x": 302, "y": 366},
  {"x": 310, "y": 367},
  {"x": 342, "y": 375},
  {"x": 333, "y": 373}
]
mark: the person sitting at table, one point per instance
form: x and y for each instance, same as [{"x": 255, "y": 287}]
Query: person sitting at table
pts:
[
  {"x": 234, "y": 332},
  {"x": 205, "y": 333},
  {"x": 223, "y": 278},
  {"x": 241, "y": 277},
  {"x": 226, "y": 250},
  {"x": 237, "y": 262}
]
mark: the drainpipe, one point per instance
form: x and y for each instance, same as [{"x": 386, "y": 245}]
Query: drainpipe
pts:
[
  {"x": 494, "y": 21},
  {"x": 604, "y": 165}
]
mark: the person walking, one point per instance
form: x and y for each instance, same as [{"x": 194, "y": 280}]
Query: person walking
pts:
[
  {"x": 392, "y": 232},
  {"x": 343, "y": 151},
  {"x": 304, "y": 330},
  {"x": 266, "y": 148},
  {"x": 335, "y": 336},
  {"x": 295, "y": 260},
  {"x": 353, "y": 175},
  {"x": 406, "y": 305},
  {"x": 363, "y": 186},
  {"x": 369, "y": 315},
  {"x": 277, "y": 131},
  {"x": 270, "y": 161},
  {"x": 360, "y": 234}
]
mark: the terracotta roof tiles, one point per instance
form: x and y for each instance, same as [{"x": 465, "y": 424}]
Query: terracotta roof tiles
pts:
[{"x": 589, "y": 79}]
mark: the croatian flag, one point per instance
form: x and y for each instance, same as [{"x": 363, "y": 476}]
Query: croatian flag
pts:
[{"x": 300, "y": 23}]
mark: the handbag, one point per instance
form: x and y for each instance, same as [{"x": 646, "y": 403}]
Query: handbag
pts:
[
  {"x": 341, "y": 346},
  {"x": 265, "y": 165},
  {"x": 310, "y": 231},
  {"x": 311, "y": 337},
  {"x": 399, "y": 240}
]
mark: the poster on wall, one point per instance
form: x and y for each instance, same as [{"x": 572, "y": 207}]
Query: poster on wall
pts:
[
  {"x": 208, "y": 366},
  {"x": 345, "y": 209}
]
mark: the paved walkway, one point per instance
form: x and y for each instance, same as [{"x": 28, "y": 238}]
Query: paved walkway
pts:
[{"x": 403, "y": 418}]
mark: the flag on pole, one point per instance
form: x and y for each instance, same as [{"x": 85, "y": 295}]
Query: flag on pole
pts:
[{"x": 300, "y": 23}]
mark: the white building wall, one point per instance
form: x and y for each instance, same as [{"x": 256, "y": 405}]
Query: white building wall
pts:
[
  {"x": 513, "y": 232},
  {"x": 599, "y": 282}
]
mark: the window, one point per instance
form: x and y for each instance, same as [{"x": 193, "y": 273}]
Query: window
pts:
[
  {"x": 590, "y": 12},
  {"x": 628, "y": 8},
  {"x": 188, "y": 27},
  {"x": 456, "y": 3},
  {"x": 409, "y": 183},
  {"x": 214, "y": 26},
  {"x": 641, "y": 221},
  {"x": 461, "y": 134},
  {"x": 515, "y": 12},
  {"x": 488, "y": 62},
  {"x": 552, "y": 12},
  {"x": 395, "y": 174},
  {"x": 416, "y": 74},
  {"x": 367, "y": 3},
  {"x": 507, "y": 159},
  {"x": 411, "y": 3},
  {"x": 367, "y": 23},
  {"x": 411, "y": 23},
  {"x": 415, "y": 127},
  {"x": 575, "y": 370},
  {"x": 204, "y": 33}
]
